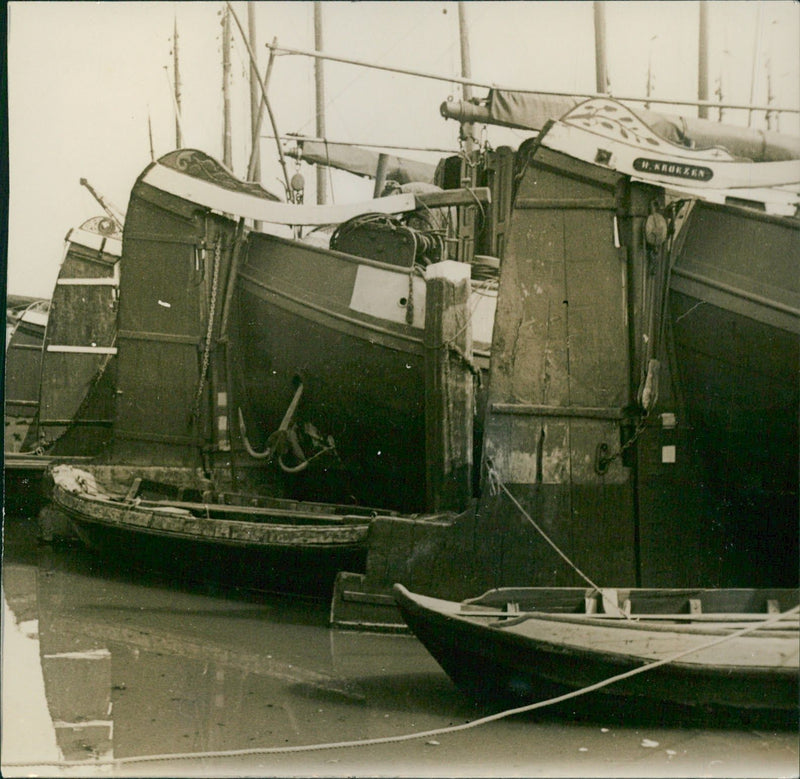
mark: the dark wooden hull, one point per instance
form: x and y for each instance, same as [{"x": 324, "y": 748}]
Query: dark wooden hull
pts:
[
  {"x": 493, "y": 663},
  {"x": 303, "y": 316},
  {"x": 23, "y": 367},
  {"x": 735, "y": 316},
  {"x": 260, "y": 544}
]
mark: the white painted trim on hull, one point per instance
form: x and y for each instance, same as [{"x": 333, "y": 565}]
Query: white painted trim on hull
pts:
[{"x": 226, "y": 201}]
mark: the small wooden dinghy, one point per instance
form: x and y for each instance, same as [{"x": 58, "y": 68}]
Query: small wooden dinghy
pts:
[
  {"x": 174, "y": 521},
  {"x": 734, "y": 650}
]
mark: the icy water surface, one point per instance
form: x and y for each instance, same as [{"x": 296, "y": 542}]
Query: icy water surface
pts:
[{"x": 116, "y": 667}]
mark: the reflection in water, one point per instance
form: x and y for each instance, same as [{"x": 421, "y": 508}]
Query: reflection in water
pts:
[
  {"x": 133, "y": 668},
  {"x": 27, "y": 731},
  {"x": 104, "y": 665}
]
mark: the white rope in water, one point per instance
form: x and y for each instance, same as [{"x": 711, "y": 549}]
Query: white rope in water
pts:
[{"x": 422, "y": 734}]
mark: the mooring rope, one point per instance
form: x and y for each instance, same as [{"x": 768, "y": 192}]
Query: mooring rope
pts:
[
  {"x": 496, "y": 482},
  {"x": 420, "y": 734}
]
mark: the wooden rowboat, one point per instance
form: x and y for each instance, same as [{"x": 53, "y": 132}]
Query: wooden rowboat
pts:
[
  {"x": 171, "y": 520},
  {"x": 734, "y": 650}
]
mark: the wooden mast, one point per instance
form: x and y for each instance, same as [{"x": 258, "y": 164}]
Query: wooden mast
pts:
[
  {"x": 466, "y": 215},
  {"x": 319, "y": 83},
  {"x": 227, "y": 153},
  {"x": 466, "y": 73},
  {"x": 177, "y": 86},
  {"x": 601, "y": 66},
  {"x": 756, "y": 60},
  {"x": 702, "y": 61},
  {"x": 254, "y": 169}
]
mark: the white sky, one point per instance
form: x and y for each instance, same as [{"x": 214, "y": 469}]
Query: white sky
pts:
[{"x": 84, "y": 76}]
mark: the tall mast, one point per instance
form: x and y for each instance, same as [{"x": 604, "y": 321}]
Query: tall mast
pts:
[
  {"x": 650, "y": 75},
  {"x": 771, "y": 115},
  {"x": 227, "y": 154},
  {"x": 466, "y": 73},
  {"x": 756, "y": 59},
  {"x": 177, "y": 86},
  {"x": 702, "y": 60},
  {"x": 600, "y": 63},
  {"x": 319, "y": 82},
  {"x": 254, "y": 172}
]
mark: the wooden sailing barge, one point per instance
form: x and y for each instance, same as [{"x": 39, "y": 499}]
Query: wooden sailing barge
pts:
[
  {"x": 277, "y": 366},
  {"x": 318, "y": 349},
  {"x": 637, "y": 317},
  {"x": 60, "y": 364}
]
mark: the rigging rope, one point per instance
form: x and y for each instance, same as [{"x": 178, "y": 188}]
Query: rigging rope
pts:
[
  {"x": 496, "y": 482},
  {"x": 209, "y": 331}
]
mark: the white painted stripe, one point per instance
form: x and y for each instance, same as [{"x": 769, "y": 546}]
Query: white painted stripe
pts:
[
  {"x": 82, "y": 349},
  {"x": 87, "y": 723},
  {"x": 251, "y": 207},
  {"x": 106, "y": 282},
  {"x": 95, "y": 241},
  {"x": 727, "y": 174}
]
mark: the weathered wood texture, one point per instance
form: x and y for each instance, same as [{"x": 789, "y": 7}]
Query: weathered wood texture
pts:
[
  {"x": 76, "y": 394},
  {"x": 735, "y": 313},
  {"x": 449, "y": 397},
  {"x": 561, "y": 340},
  {"x": 23, "y": 366},
  {"x": 177, "y": 260}
]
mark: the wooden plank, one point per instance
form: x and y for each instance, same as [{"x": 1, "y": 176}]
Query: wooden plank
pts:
[
  {"x": 528, "y": 203},
  {"x": 530, "y": 409},
  {"x": 454, "y": 197},
  {"x": 448, "y": 387}
]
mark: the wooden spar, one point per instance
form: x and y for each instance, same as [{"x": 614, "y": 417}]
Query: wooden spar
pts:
[
  {"x": 267, "y": 105},
  {"x": 319, "y": 92},
  {"x": 602, "y": 83},
  {"x": 227, "y": 154},
  {"x": 254, "y": 167},
  {"x": 702, "y": 61},
  {"x": 256, "y": 105},
  {"x": 489, "y": 85},
  {"x": 177, "y": 87},
  {"x": 365, "y": 144},
  {"x": 150, "y": 137},
  {"x": 448, "y": 387},
  {"x": 102, "y": 201}
]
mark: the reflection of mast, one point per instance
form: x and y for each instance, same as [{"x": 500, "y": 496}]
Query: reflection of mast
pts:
[
  {"x": 702, "y": 60},
  {"x": 177, "y": 87},
  {"x": 319, "y": 82},
  {"x": 601, "y": 66}
]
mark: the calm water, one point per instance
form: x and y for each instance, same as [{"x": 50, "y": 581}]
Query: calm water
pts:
[{"x": 101, "y": 666}]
